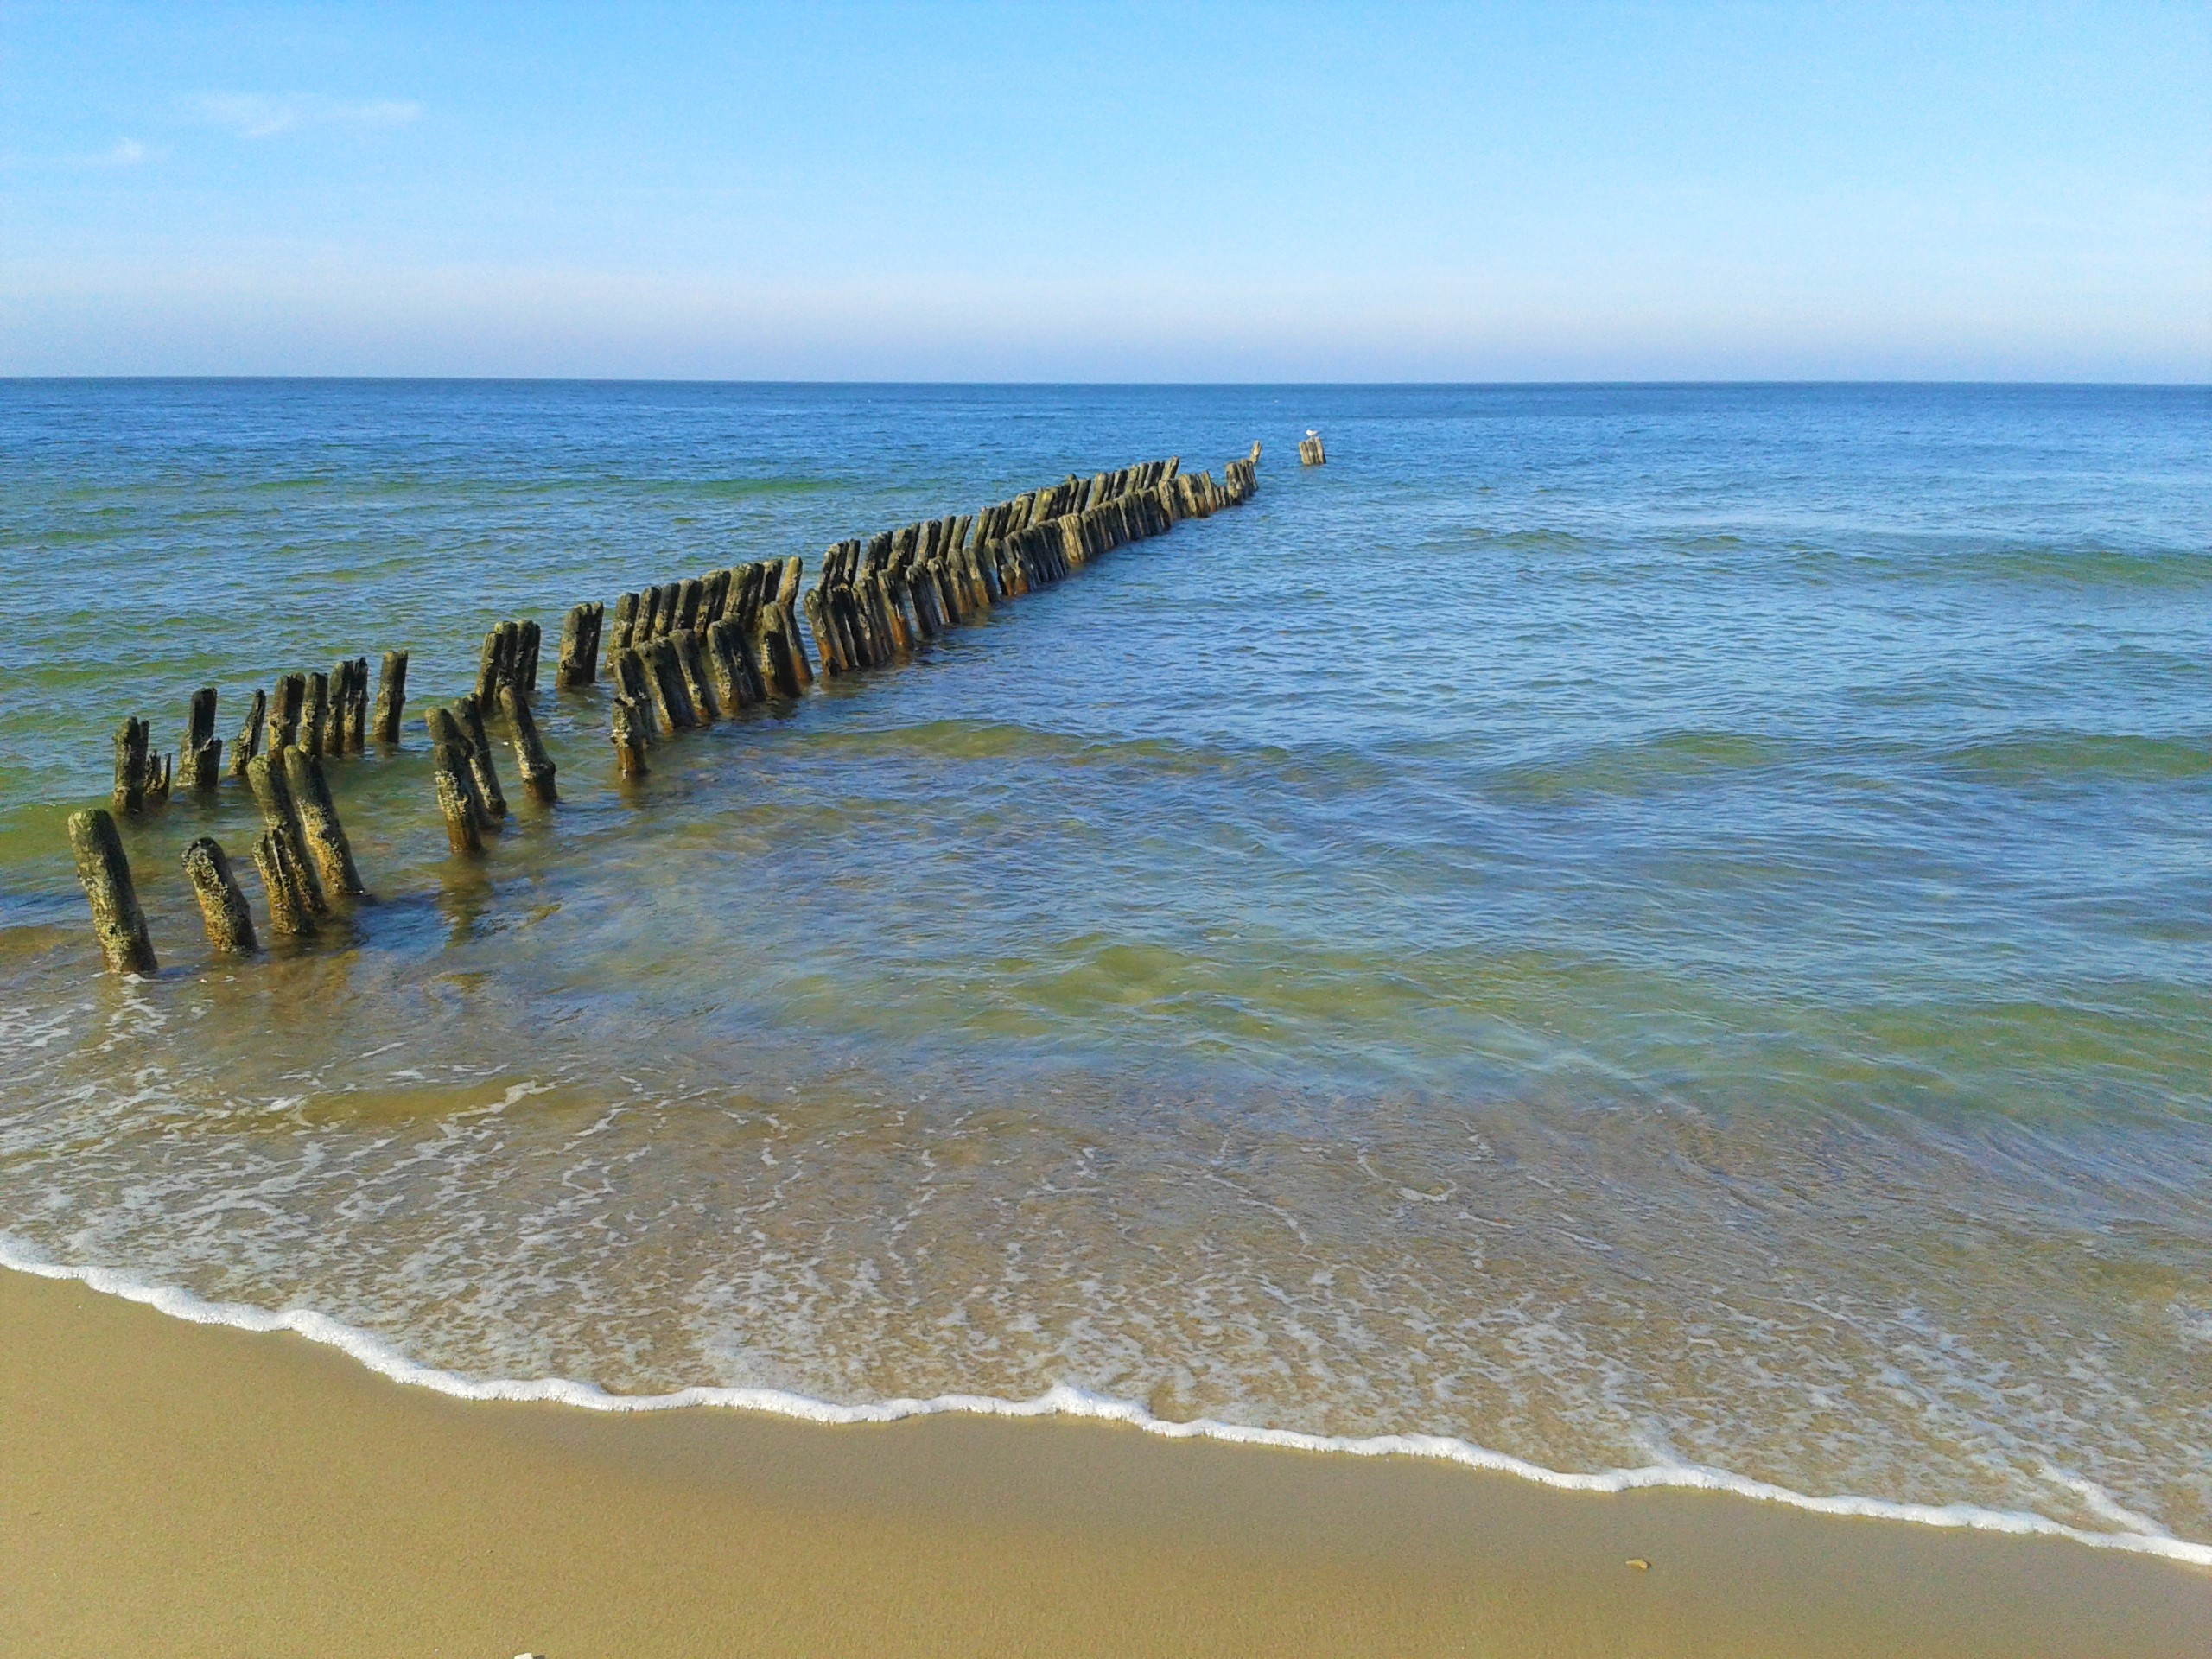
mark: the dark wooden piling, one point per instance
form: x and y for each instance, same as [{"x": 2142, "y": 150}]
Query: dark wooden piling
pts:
[
  {"x": 315, "y": 714},
  {"x": 284, "y": 711},
  {"x": 202, "y": 751},
  {"x": 629, "y": 724},
  {"x": 529, "y": 641},
  {"x": 446, "y": 734},
  {"x": 357, "y": 723},
  {"x": 578, "y": 663},
  {"x": 634, "y": 680},
  {"x": 131, "y": 765},
  {"x": 319, "y": 826},
  {"x": 105, "y": 873},
  {"x": 249, "y": 738},
  {"x": 280, "y": 815},
  {"x": 536, "y": 767},
  {"x": 223, "y": 908},
  {"x": 283, "y": 883},
  {"x": 698, "y": 679},
  {"x": 456, "y": 796},
  {"x": 469, "y": 714},
  {"x": 391, "y": 695},
  {"x": 626, "y": 623}
]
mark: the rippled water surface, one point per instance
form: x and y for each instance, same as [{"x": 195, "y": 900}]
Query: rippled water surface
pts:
[{"x": 1627, "y": 926}]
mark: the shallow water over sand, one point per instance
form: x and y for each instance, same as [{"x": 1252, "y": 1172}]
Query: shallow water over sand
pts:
[{"x": 1622, "y": 926}]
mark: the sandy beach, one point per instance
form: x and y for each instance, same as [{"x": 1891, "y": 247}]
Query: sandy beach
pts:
[{"x": 188, "y": 1490}]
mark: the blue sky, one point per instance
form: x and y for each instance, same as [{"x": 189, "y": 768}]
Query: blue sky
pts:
[{"x": 1108, "y": 192}]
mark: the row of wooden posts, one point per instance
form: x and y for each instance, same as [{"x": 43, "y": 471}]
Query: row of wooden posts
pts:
[{"x": 681, "y": 654}]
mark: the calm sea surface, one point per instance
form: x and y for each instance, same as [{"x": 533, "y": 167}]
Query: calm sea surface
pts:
[{"x": 1626, "y": 926}]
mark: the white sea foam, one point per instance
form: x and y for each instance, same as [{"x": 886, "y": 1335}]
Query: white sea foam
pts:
[{"x": 381, "y": 1357}]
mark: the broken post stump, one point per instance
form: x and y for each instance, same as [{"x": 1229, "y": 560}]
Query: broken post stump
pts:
[
  {"x": 105, "y": 873},
  {"x": 629, "y": 724},
  {"x": 470, "y": 714},
  {"x": 248, "y": 739},
  {"x": 131, "y": 765},
  {"x": 284, "y": 711},
  {"x": 579, "y": 664},
  {"x": 284, "y": 884},
  {"x": 202, "y": 753},
  {"x": 391, "y": 695},
  {"x": 319, "y": 826},
  {"x": 272, "y": 792},
  {"x": 1310, "y": 453},
  {"x": 222, "y": 906},
  {"x": 536, "y": 767}
]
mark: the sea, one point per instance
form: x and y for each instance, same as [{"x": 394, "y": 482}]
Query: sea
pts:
[{"x": 1628, "y": 934}]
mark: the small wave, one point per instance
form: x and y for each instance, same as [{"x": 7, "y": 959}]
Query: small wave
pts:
[
  {"x": 2059, "y": 756},
  {"x": 1643, "y": 764},
  {"x": 382, "y": 1357}
]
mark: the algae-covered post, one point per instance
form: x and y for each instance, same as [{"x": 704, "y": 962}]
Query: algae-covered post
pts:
[
  {"x": 579, "y": 664},
  {"x": 284, "y": 711},
  {"x": 283, "y": 883},
  {"x": 202, "y": 751},
  {"x": 319, "y": 826},
  {"x": 105, "y": 873},
  {"x": 248, "y": 739},
  {"x": 222, "y": 906},
  {"x": 281, "y": 814},
  {"x": 132, "y": 765},
  {"x": 629, "y": 724},
  {"x": 391, "y": 695},
  {"x": 530, "y": 749}
]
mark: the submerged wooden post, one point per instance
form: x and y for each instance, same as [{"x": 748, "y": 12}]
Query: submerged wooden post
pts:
[
  {"x": 470, "y": 714},
  {"x": 1310, "y": 453},
  {"x": 284, "y": 884},
  {"x": 222, "y": 906},
  {"x": 319, "y": 825},
  {"x": 105, "y": 873},
  {"x": 248, "y": 739},
  {"x": 578, "y": 663},
  {"x": 202, "y": 753},
  {"x": 284, "y": 711},
  {"x": 281, "y": 814},
  {"x": 536, "y": 765},
  {"x": 130, "y": 765},
  {"x": 391, "y": 695},
  {"x": 629, "y": 739}
]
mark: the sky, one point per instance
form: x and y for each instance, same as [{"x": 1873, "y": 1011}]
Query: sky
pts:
[{"x": 1109, "y": 193}]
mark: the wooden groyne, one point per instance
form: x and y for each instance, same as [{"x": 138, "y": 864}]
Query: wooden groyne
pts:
[{"x": 681, "y": 655}]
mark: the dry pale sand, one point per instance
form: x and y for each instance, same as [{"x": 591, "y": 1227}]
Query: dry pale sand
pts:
[{"x": 174, "y": 1489}]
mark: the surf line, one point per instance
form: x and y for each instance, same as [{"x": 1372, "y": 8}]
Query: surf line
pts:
[
  {"x": 683, "y": 654},
  {"x": 385, "y": 1360}
]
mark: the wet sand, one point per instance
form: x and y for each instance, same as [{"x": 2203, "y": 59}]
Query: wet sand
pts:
[{"x": 185, "y": 1490}]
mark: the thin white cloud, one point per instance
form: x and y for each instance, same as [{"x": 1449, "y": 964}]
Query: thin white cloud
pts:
[
  {"x": 125, "y": 152},
  {"x": 260, "y": 115}
]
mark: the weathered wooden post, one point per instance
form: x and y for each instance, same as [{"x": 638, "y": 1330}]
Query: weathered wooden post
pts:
[
  {"x": 105, "y": 873},
  {"x": 248, "y": 739},
  {"x": 530, "y": 639},
  {"x": 470, "y": 715},
  {"x": 455, "y": 792},
  {"x": 222, "y": 906},
  {"x": 281, "y": 816},
  {"x": 629, "y": 739},
  {"x": 446, "y": 734},
  {"x": 391, "y": 695},
  {"x": 319, "y": 826},
  {"x": 1310, "y": 453},
  {"x": 578, "y": 663},
  {"x": 787, "y": 612},
  {"x": 698, "y": 683},
  {"x": 202, "y": 751},
  {"x": 357, "y": 729},
  {"x": 130, "y": 765},
  {"x": 284, "y": 711},
  {"x": 283, "y": 883},
  {"x": 536, "y": 765},
  {"x": 315, "y": 714}
]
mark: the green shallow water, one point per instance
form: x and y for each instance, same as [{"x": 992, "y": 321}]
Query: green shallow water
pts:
[{"x": 1623, "y": 925}]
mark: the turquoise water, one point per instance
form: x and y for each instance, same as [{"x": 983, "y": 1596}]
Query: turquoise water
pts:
[{"x": 1629, "y": 927}]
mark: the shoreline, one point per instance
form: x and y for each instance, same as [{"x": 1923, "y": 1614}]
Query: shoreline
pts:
[
  {"x": 1068, "y": 1404},
  {"x": 234, "y": 1492}
]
